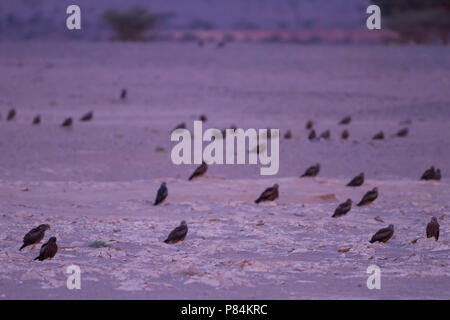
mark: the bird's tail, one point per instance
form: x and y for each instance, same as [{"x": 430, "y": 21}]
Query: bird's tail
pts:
[
  {"x": 23, "y": 246},
  {"x": 191, "y": 177},
  {"x": 372, "y": 240},
  {"x": 166, "y": 241},
  {"x": 258, "y": 200},
  {"x": 38, "y": 258}
]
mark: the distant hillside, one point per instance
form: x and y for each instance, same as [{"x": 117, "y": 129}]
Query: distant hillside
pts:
[{"x": 30, "y": 19}]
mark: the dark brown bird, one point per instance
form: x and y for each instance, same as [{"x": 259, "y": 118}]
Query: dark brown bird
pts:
[
  {"x": 11, "y": 115},
  {"x": 433, "y": 229},
  {"x": 123, "y": 94},
  {"x": 67, "y": 123},
  {"x": 343, "y": 208},
  {"x": 379, "y": 136},
  {"x": 383, "y": 235},
  {"x": 203, "y": 118},
  {"x": 34, "y": 236},
  {"x": 269, "y": 194},
  {"x": 162, "y": 194},
  {"x": 312, "y": 171},
  {"x": 309, "y": 125},
  {"x": 87, "y": 117},
  {"x": 402, "y": 133},
  {"x": 312, "y": 134},
  {"x": 37, "y": 120},
  {"x": 345, "y": 134},
  {"x": 346, "y": 120},
  {"x": 48, "y": 250},
  {"x": 200, "y": 171},
  {"x": 357, "y": 181},
  {"x": 288, "y": 135},
  {"x": 429, "y": 174},
  {"x": 325, "y": 134},
  {"x": 178, "y": 234},
  {"x": 438, "y": 175},
  {"x": 369, "y": 197}
]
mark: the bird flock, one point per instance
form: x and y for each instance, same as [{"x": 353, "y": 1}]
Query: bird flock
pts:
[{"x": 49, "y": 248}]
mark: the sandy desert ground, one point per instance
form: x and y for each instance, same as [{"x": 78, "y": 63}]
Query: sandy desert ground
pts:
[{"x": 97, "y": 180}]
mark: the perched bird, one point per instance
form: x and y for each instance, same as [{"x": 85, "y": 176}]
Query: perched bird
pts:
[
  {"x": 67, "y": 123},
  {"x": 429, "y": 174},
  {"x": 48, "y": 250},
  {"x": 433, "y": 229},
  {"x": 203, "y": 118},
  {"x": 34, "y": 236},
  {"x": 123, "y": 94},
  {"x": 312, "y": 134},
  {"x": 180, "y": 126},
  {"x": 369, "y": 197},
  {"x": 312, "y": 171},
  {"x": 346, "y": 120},
  {"x": 325, "y": 134},
  {"x": 162, "y": 194},
  {"x": 383, "y": 235},
  {"x": 11, "y": 115},
  {"x": 288, "y": 134},
  {"x": 199, "y": 171},
  {"x": 345, "y": 134},
  {"x": 178, "y": 234},
  {"x": 37, "y": 119},
  {"x": 343, "y": 208},
  {"x": 402, "y": 133},
  {"x": 379, "y": 136},
  {"x": 438, "y": 175},
  {"x": 357, "y": 181},
  {"x": 88, "y": 116},
  {"x": 269, "y": 194},
  {"x": 309, "y": 125}
]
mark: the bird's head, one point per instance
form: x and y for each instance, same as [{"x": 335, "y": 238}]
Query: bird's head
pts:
[
  {"x": 163, "y": 184},
  {"x": 275, "y": 185},
  {"x": 44, "y": 227},
  {"x": 183, "y": 223},
  {"x": 391, "y": 226},
  {"x": 52, "y": 239},
  {"x": 318, "y": 165},
  {"x": 361, "y": 174},
  {"x": 434, "y": 219},
  {"x": 349, "y": 200},
  {"x": 375, "y": 189}
]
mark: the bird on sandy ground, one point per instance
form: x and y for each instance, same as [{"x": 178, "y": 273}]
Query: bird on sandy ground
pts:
[
  {"x": 48, "y": 250},
  {"x": 312, "y": 171},
  {"x": 429, "y": 174},
  {"x": 67, "y": 123},
  {"x": 345, "y": 134},
  {"x": 312, "y": 134},
  {"x": 11, "y": 115},
  {"x": 37, "y": 119},
  {"x": 203, "y": 118},
  {"x": 88, "y": 116},
  {"x": 343, "y": 208},
  {"x": 269, "y": 194},
  {"x": 178, "y": 234},
  {"x": 123, "y": 94},
  {"x": 162, "y": 194},
  {"x": 34, "y": 236},
  {"x": 402, "y": 133},
  {"x": 369, "y": 197},
  {"x": 325, "y": 135},
  {"x": 383, "y": 235},
  {"x": 180, "y": 126},
  {"x": 357, "y": 181},
  {"x": 288, "y": 135},
  {"x": 433, "y": 229},
  {"x": 378, "y": 136},
  {"x": 346, "y": 120},
  {"x": 200, "y": 171},
  {"x": 309, "y": 125},
  {"x": 438, "y": 175}
]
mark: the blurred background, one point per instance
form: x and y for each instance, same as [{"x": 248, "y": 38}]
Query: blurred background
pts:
[{"x": 233, "y": 20}]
